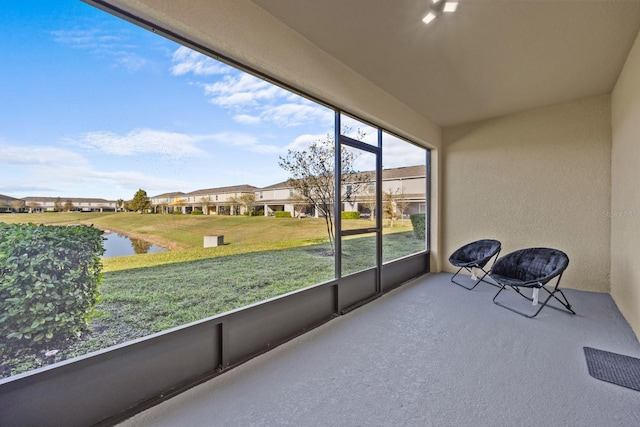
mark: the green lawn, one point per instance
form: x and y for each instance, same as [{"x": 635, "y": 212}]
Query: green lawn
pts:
[
  {"x": 265, "y": 257},
  {"x": 186, "y": 231},
  {"x": 183, "y": 234}
]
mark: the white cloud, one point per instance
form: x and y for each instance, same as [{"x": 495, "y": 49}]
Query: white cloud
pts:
[
  {"x": 253, "y": 100},
  {"x": 141, "y": 141},
  {"x": 177, "y": 146},
  {"x": 302, "y": 142},
  {"x": 398, "y": 153},
  {"x": 252, "y": 144},
  {"x": 242, "y": 90},
  {"x": 127, "y": 180},
  {"x": 290, "y": 114},
  {"x": 186, "y": 61},
  {"x": 246, "y": 142},
  {"x": 105, "y": 45},
  {"x": 51, "y": 171},
  {"x": 287, "y": 115},
  {"x": 44, "y": 155},
  {"x": 130, "y": 60},
  {"x": 86, "y": 39},
  {"x": 247, "y": 119},
  {"x": 17, "y": 189},
  {"x": 69, "y": 180},
  {"x": 261, "y": 102}
]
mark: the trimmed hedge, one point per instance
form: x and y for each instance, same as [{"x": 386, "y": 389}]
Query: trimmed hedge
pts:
[
  {"x": 350, "y": 215},
  {"x": 282, "y": 214},
  {"x": 197, "y": 213},
  {"x": 49, "y": 277},
  {"x": 418, "y": 222}
]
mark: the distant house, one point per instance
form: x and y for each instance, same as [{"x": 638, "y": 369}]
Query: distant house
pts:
[
  {"x": 281, "y": 197},
  {"x": 406, "y": 184},
  {"x": 6, "y": 203},
  {"x": 210, "y": 201},
  {"x": 166, "y": 202},
  {"x": 48, "y": 204}
]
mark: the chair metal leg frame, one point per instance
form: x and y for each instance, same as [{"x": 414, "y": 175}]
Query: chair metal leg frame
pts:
[
  {"x": 479, "y": 280},
  {"x": 471, "y": 272},
  {"x": 564, "y": 303}
]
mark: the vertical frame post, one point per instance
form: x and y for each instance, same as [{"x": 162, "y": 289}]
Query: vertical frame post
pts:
[{"x": 337, "y": 208}]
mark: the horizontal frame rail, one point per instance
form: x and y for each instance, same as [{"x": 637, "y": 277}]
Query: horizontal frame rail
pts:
[{"x": 111, "y": 385}]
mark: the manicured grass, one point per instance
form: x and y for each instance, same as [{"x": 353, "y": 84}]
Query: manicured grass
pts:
[
  {"x": 266, "y": 257},
  {"x": 183, "y": 234},
  {"x": 187, "y": 231}
]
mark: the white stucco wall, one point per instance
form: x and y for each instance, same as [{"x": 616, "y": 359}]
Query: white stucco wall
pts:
[
  {"x": 625, "y": 190},
  {"x": 538, "y": 178}
]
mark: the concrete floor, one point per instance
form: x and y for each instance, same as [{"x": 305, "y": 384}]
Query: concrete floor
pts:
[{"x": 427, "y": 354}]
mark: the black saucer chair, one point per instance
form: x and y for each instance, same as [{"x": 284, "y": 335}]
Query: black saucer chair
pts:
[
  {"x": 532, "y": 268},
  {"x": 475, "y": 255}
]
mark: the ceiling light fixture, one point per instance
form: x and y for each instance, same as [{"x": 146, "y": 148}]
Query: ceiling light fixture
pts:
[
  {"x": 430, "y": 17},
  {"x": 450, "y": 6},
  {"x": 438, "y": 7}
]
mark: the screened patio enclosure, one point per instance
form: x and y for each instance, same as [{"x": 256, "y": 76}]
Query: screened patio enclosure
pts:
[{"x": 520, "y": 145}]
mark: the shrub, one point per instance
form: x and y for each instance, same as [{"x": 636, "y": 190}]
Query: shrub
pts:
[
  {"x": 49, "y": 277},
  {"x": 282, "y": 214},
  {"x": 418, "y": 222},
  {"x": 260, "y": 212},
  {"x": 177, "y": 212},
  {"x": 350, "y": 215},
  {"x": 196, "y": 213}
]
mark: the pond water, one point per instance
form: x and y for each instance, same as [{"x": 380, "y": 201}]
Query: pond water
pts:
[{"x": 119, "y": 244}]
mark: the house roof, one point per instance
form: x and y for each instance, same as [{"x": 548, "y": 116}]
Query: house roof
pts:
[
  {"x": 283, "y": 184},
  {"x": 404, "y": 172},
  {"x": 165, "y": 195},
  {"x": 7, "y": 198},
  {"x": 244, "y": 188},
  {"x": 391, "y": 173},
  {"x": 64, "y": 199},
  {"x": 488, "y": 59}
]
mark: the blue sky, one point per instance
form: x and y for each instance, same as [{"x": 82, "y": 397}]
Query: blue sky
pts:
[{"x": 93, "y": 106}]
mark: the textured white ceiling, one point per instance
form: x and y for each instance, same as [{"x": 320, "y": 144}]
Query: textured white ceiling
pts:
[{"x": 490, "y": 58}]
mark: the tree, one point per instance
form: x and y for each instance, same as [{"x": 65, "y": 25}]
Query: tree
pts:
[
  {"x": 33, "y": 206},
  {"x": 140, "y": 202},
  {"x": 234, "y": 203},
  {"x": 57, "y": 205},
  {"x": 140, "y": 246},
  {"x": 402, "y": 203},
  {"x": 17, "y": 205},
  {"x": 312, "y": 177},
  {"x": 204, "y": 202},
  {"x": 178, "y": 203},
  {"x": 68, "y": 205},
  {"x": 389, "y": 204},
  {"x": 248, "y": 200},
  {"x": 120, "y": 205},
  {"x": 300, "y": 204},
  {"x": 368, "y": 201}
]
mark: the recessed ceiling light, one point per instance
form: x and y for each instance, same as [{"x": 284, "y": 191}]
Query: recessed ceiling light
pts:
[
  {"x": 450, "y": 6},
  {"x": 430, "y": 17},
  {"x": 436, "y": 1}
]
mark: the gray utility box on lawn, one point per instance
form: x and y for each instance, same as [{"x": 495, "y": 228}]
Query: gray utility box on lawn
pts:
[{"x": 211, "y": 241}]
